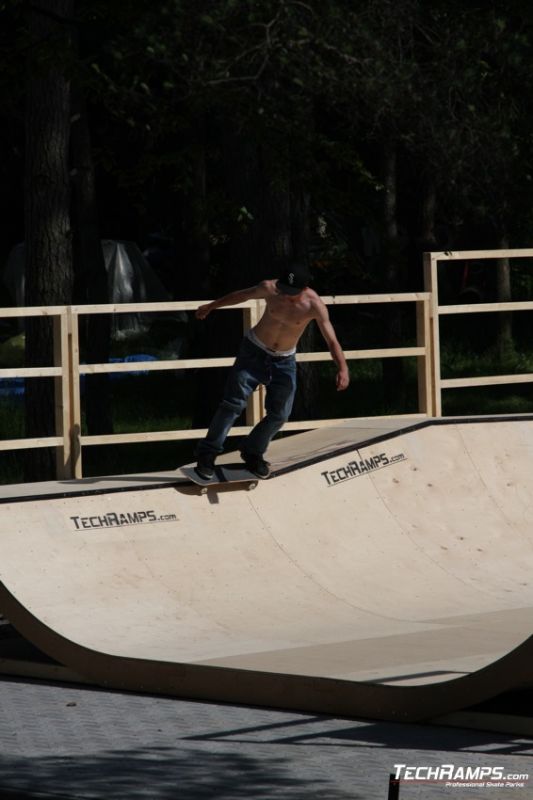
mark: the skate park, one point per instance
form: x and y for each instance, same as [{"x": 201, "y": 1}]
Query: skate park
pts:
[{"x": 381, "y": 573}]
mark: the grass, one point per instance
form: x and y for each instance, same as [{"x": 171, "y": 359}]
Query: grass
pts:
[
  {"x": 367, "y": 395},
  {"x": 498, "y": 399}
]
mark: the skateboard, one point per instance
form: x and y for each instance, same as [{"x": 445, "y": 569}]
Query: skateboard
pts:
[{"x": 224, "y": 474}]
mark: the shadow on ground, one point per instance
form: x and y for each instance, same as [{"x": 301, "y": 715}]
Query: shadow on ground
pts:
[{"x": 160, "y": 773}]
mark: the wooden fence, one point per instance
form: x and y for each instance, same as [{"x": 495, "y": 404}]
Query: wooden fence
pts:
[
  {"x": 431, "y": 264},
  {"x": 67, "y": 369}
]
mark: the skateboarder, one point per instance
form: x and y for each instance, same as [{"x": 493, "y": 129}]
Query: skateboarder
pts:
[{"x": 267, "y": 356}]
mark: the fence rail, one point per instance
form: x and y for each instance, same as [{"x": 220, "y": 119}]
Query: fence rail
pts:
[{"x": 67, "y": 370}]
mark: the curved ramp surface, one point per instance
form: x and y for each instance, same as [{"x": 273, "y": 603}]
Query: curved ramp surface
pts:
[{"x": 383, "y": 572}]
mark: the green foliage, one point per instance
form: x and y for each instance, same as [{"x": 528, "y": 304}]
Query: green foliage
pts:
[
  {"x": 321, "y": 84},
  {"x": 12, "y": 352},
  {"x": 317, "y": 89}
]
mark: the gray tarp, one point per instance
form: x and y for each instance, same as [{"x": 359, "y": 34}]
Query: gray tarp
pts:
[{"x": 131, "y": 279}]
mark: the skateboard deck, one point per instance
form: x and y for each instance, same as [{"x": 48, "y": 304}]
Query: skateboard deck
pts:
[{"x": 224, "y": 474}]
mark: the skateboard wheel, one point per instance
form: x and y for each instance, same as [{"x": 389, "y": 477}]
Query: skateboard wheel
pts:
[
  {"x": 252, "y": 486},
  {"x": 203, "y": 490}
]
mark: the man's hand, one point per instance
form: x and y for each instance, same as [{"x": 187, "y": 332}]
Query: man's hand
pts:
[
  {"x": 342, "y": 380},
  {"x": 203, "y": 311}
]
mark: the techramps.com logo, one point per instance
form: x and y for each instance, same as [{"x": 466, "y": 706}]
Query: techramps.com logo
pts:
[
  {"x": 115, "y": 519},
  {"x": 360, "y": 466},
  {"x": 452, "y": 776}
]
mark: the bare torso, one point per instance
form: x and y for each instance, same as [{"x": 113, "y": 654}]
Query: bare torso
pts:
[{"x": 285, "y": 319}]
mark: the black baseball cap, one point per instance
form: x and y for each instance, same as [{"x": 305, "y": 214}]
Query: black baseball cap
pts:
[{"x": 293, "y": 279}]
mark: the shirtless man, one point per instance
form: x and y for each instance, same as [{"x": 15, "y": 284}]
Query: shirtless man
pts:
[{"x": 267, "y": 356}]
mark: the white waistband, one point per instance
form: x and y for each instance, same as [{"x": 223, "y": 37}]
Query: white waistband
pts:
[{"x": 277, "y": 353}]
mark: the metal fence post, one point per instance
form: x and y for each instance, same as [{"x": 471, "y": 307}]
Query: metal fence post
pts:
[{"x": 394, "y": 788}]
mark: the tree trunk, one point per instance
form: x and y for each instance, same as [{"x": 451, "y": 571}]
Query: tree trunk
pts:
[
  {"x": 91, "y": 274},
  {"x": 47, "y": 214},
  {"x": 428, "y": 206},
  {"x": 191, "y": 274},
  {"x": 393, "y": 373},
  {"x": 305, "y": 404},
  {"x": 390, "y": 222}
]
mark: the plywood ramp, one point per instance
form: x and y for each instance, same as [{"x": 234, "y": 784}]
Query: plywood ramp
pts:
[{"x": 383, "y": 571}]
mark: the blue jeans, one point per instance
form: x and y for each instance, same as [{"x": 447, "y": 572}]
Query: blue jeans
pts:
[{"x": 252, "y": 367}]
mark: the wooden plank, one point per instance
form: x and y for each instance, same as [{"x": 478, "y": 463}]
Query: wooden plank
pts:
[
  {"x": 362, "y": 299},
  {"x": 313, "y": 424},
  {"x": 431, "y": 285},
  {"x": 62, "y": 396},
  {"x": 151, "y": 366},
  {"x": 423, "y": 337},
  {"x": 192, "y": 305},
  {"x": 32, "y": 311},
  {"x": 388, "y": 352},
  {"x": 31, "y": 372},
  {"x": 147, "y": 308},
  {"x": 30, "y": 444},
  {"x": 154, "y": 366},
  {"x": 75, "y": 400},
  {"x": 488, "y": 380},
  {"x": 156, "y": 436},
  {"x": 458, "y": 255},
  {"x": 255, "y": 408},
  {"x": 481, "y": 308}
]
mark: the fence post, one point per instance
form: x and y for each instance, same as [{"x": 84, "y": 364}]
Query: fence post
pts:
[
  {"x": 75, "y": 403},
  {"x": 255, "y": 408},
  {"x": 431, "y": 285},
  {"x": 424, "y": 363},
  {"x": 62, "y": 403}
]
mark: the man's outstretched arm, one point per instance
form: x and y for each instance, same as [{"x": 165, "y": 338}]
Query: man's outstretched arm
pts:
[
  {"x": 328, "y": 332},
  {"x": 234, "y": 298}
]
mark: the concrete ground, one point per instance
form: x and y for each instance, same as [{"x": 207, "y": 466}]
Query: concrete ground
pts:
[{"x": 68, "y": 741}]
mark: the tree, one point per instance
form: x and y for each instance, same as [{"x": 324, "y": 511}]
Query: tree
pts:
[
  {"x": 91, "y": 284},
  {"x": 49, "y": 269}
]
